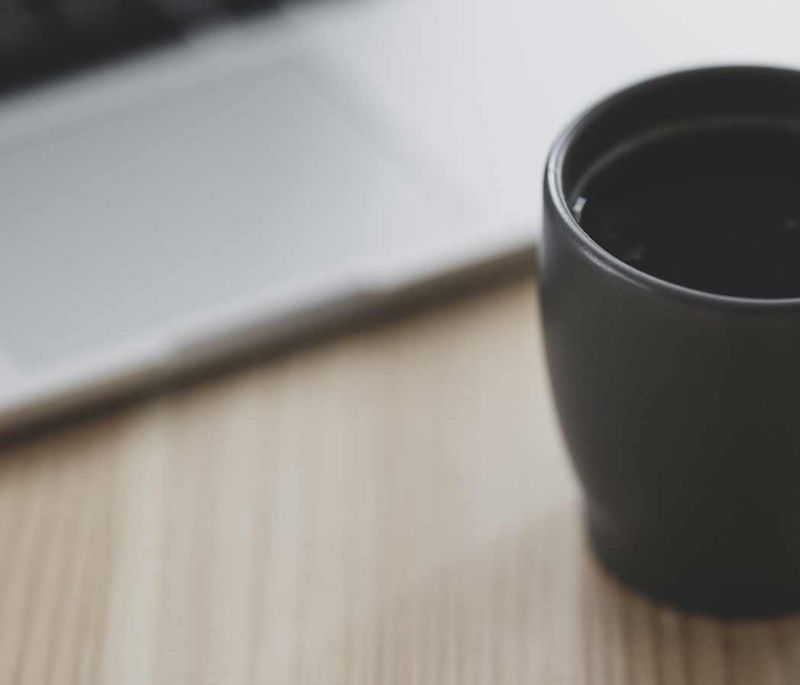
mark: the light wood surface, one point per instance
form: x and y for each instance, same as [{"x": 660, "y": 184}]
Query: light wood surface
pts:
[{"x": 392, "y": 506}]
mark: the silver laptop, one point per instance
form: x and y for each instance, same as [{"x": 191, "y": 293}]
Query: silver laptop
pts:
[{"x": 270, "y": 174}]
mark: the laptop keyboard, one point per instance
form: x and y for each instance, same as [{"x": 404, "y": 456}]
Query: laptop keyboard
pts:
[{"x": 44, "y": 38}]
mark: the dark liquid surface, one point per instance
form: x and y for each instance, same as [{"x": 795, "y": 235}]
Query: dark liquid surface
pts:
[{"x": 713, "y": 207}]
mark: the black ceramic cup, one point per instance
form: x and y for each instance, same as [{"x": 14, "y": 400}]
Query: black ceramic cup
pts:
[{"x": 679, "y": 395}]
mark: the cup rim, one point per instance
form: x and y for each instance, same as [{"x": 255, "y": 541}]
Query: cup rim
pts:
[{"x": 600, "y": 256}]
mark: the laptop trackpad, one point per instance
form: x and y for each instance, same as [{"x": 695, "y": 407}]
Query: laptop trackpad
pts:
[{"x": 132, "y": 222}]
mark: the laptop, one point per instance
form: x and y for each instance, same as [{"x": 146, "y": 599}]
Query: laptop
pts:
[{"x": 188, "y": 180}]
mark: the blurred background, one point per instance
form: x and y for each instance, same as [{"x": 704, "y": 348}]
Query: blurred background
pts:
[{"x": 186, "y": 179}]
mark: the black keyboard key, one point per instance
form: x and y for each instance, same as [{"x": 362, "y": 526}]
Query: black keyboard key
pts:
[
  {"x": 41, "y": 38},
  {"x": 44, "y": 38}
]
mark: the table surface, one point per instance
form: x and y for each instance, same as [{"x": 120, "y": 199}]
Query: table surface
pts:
[{"x": 392, "y": 505}]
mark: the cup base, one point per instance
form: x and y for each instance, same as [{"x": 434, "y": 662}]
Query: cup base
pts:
[{"x": 643, "y": 571}]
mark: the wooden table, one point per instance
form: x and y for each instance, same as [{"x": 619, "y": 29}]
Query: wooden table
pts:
[{"x": 390, "y": 506}]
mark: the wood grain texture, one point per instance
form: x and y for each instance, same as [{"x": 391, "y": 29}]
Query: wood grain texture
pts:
[{"x": 393, "y": 506}]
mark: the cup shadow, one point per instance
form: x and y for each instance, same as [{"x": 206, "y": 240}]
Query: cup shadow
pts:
[{"x": 535, "y": 606}]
